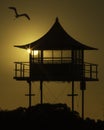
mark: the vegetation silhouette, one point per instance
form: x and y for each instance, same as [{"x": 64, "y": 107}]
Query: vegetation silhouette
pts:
[
  {"x": 19, "y": 15},
  {"x": 47, "y": 117}
]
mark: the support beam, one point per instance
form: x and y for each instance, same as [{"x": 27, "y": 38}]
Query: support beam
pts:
[
  {"x": 83, "y": 104},
  {"x": 29, "y": 94},
  {"x": 72, "y": 95},
  {"x": 41, "y": 92},
  {"x": 82, "y": 87}
]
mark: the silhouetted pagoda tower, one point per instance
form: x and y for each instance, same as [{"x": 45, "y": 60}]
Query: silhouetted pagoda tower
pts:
[{"x": 59, "y": 58}]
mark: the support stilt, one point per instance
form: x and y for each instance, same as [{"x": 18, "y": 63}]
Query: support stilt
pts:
[
  {"x": 41, "y": 92},
  {"x": 29, "y": 94},
  {"x": 82, "y": 87},
  {"x": 83, "y": 104},
  {"x": 72, "y": 96}
]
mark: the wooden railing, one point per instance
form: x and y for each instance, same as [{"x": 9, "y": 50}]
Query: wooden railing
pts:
[
  {"x": 21, "y": 69},
  {"x": 90, "y": 70}
]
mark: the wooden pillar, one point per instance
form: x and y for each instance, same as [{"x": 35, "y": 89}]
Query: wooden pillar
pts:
[
  {"x": 82, "y": 103},
  {"x": 41, "y": 92},
  {"x": 30, "y": 93},
  {"x": 83, "y": 87},
  {"x": 72, "y": 95}
]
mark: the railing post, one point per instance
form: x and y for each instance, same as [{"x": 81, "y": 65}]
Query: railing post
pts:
[
  {"x": 15, "y": 69},
  {"x": 21, "y": 69},
  {"x": 90, "y": 71},
  {"x": 96, "y": 72}
]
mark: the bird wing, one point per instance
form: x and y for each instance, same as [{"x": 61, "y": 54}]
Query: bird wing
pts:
[
  {"x": 25, "y": 15},
  {"x": 13, "y": 8}
]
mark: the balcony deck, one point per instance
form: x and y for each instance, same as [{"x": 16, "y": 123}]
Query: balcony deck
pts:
[{"x": 55, "y": 72}]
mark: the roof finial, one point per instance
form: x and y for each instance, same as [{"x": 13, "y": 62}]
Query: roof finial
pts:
[{"x": 57, "y": 20}]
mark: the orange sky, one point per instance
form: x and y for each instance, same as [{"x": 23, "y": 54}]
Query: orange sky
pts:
[{"x": 83, "y": 20}]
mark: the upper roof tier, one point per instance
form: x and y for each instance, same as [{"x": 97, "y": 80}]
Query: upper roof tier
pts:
[{"x": 56, "y": 39}]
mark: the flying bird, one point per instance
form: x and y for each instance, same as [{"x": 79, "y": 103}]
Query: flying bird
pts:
[{"x": 19, "y": 15}]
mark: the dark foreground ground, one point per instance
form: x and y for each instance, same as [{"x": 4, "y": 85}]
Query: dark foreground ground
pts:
[{"x": 47, "y": 117}]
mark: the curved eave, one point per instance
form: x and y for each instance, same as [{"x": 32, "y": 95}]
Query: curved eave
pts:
[
  {"x": 54, "y": 48},
  {"x": 56, "y": 39}
]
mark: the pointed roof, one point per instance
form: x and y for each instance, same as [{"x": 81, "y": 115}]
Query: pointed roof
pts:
[{"x": 56, "y": 39}]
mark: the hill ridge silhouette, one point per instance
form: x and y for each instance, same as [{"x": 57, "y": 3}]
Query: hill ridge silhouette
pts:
[{"x": 47, "y": 117}]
